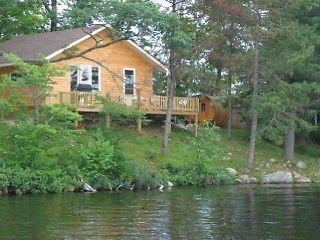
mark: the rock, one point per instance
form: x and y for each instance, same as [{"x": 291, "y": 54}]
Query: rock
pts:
[
  {"x": 253, "y": 180},
  {"x": 244, "y": 179},
  {"x": 87, "y": 188},
  {"x": 161, "y": 188},
  {"x": 71, "y": 189},
  {"x": 300, "y": 165},
  {"x": 18, "y": 192},
  {"x": 272, "y": 160},
  {"x": 299, "y": 178},
  {"x": 170, "y": 184},
  {"x": 277, "y": 177},
  {"x": 267, "y": 165},
  {"x": 226, "y": 158},
  {"x": 303, "y": 179},
  {"x": 232, "y": 171}
]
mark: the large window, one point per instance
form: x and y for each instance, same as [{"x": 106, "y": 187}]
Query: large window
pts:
[
  {"x": 84, "y": 78},
  {"x": 129, "y": 81}
]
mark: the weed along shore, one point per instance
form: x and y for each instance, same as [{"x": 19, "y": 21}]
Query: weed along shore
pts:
[{"x": 43, "y": 159}]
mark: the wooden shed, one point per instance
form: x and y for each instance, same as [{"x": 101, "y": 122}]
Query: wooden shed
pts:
[{"x": 212, "y": 110}]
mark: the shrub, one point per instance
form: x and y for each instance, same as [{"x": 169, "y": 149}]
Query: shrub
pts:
[{"x": 39, "y": 158}]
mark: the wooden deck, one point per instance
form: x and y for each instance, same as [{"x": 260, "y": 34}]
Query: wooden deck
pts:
[{"x": 157, "y": 105}]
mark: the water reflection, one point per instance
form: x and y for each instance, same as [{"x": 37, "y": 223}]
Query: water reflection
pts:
[{"x": 221, "y": 212}]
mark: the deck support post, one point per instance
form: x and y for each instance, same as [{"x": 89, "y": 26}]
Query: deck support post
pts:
[
  {"x": 139, "y": 125},
  {"x": 108, "y": 120},
  {"x": 196, "y": 123},
  {"x": 76, "y": 124}
]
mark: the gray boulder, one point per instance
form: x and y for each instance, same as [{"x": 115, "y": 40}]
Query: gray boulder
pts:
[
  {"x": 301, "y": 165},
  {"x": 170, "y": 184},
  {"x": 300, "y": 179},
  {"x": 246, "y": 179},
  {"x": 232, "y": 171},
  {"x": 277, "y": 177},
  {"x": 87, "y": 188}
]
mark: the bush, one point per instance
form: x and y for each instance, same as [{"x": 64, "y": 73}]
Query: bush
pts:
[
  {"x": 97, "y": 159},
  {"x": 199, "y": 173},
  {"x": 39, "y": 158}
]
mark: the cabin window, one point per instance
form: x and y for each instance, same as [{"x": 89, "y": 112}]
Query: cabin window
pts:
[
  {"x": 85, "y": 75},
  {"x": 129, "y": 81},
  {"x": 85, "y": 78},
  {"x": 74, "y": 78},
  {"x": 95, "y": 78},
  {"x": 15, "y": 76},
  {"x": 203, "y": 106}
]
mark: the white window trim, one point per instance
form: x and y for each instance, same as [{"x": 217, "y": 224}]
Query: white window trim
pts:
[{"x": 124, "y": 80}]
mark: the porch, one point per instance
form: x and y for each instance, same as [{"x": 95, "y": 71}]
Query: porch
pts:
[{"x": 157, "y": 105}]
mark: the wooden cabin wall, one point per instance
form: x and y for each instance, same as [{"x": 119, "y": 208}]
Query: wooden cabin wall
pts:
[
  {"x": 116, "y": 57},
  {"x": 24, "y": 94}
]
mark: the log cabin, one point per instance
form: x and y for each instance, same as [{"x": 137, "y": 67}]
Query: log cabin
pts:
[{"x": 98, "y": 64}]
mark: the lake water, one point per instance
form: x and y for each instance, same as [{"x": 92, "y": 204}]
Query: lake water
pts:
[{"x": 218, "y": 212}]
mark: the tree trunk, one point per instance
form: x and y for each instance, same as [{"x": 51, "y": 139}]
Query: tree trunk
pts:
[
  {"x": 170, "y": 92},
  {"x": 229, "y": 107},
  {"x": 54, "y": 16},
  {"x": 52, "y": 10},
  {"x": 218, "y": 80},
  {"x": 254, "y": 120},
  {"x": 290, "y": 139}
]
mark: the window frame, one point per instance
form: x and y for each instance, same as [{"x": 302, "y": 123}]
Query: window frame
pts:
[
  {"x": 203, "y": 107},
  {"x": 124, "y": 80},
  {"x": 79, "y": 75}
]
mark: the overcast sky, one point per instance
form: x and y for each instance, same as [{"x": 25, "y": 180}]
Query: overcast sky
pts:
[{"x": 162, "y": 2}]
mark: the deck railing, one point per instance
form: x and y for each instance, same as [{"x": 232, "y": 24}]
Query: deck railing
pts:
[{"x": 84, "y": 101}]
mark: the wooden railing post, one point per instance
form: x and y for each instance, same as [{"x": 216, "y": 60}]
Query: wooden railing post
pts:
[
  {"x": 139, "y": 99},
  {"x": 108, "y": 121},
  {"x": 196, "y": 126},
  {"x": 139, "y": 124}
]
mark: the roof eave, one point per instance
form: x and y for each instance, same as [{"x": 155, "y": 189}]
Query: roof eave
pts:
[{"x": 56, "y": 53}]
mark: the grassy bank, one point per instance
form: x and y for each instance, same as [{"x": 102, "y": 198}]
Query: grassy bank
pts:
[
  {"x": 42, "y": 158},
  {"x": 145, "y": 149}
]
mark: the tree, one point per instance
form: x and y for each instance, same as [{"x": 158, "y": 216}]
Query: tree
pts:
[
  {"x": 20, "y": 17},
  {"x": 290, "y": 77},
  {"x": 51, "y": 7},
  {"x": 36, "y": 79},
  {"x": 177, "y": 36},
  {"x": 227, "y": 46}
]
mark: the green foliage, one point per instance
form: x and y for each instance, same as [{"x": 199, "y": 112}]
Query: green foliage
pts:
[
  {"x": 20, "y": 17},
  {"x": 206, "y": 144},
  {"x": 201, "y": 170},
  {"x": 39, "y": 158},
  {"x": 37, "y": 80},
  {"x": 32, "y": 76},
  {"x": 118, "y": 111},
  {"x": 199, "y": 173},
  {"x": 59, "y": 115},
  {"x": 97, "y": 160},
  {"x": 10, "y": 98}
]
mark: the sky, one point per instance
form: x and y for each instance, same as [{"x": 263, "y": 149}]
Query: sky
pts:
[{"x": 162, "y": 3}]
